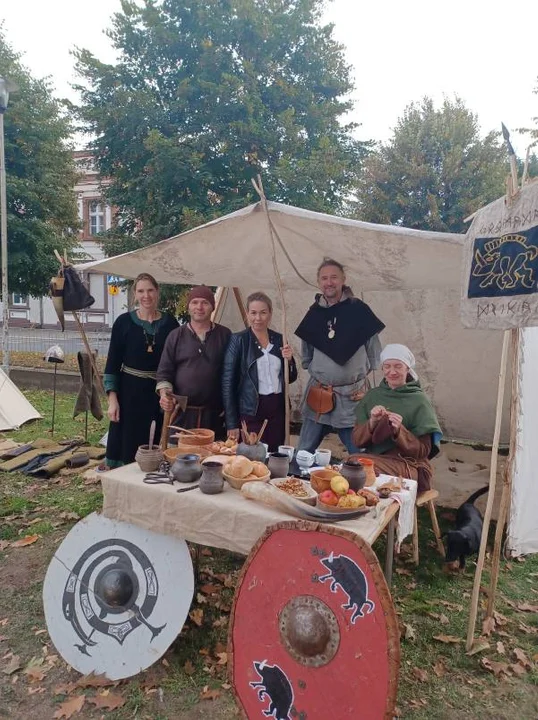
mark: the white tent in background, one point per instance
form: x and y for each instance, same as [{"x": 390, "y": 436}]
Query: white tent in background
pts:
[{"x": 15, "y": 409}]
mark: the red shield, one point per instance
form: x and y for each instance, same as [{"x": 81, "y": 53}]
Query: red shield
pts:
[{"x": 313, "y": 632}]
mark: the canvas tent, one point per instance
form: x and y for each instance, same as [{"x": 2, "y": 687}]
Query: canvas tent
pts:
[
  {"x": 411, "y": 279},
  {"x": 15, "y": 409}
]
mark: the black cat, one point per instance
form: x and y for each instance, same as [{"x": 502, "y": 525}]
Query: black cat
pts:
[{"x": 465, "y": 540}]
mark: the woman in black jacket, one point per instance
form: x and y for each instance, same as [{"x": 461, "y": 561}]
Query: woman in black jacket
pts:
[{"x": 253, "y": 375}]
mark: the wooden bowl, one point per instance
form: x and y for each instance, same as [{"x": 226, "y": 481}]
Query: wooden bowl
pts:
[
  {"x": 320, "y": 480},
  {"x": 238, "y": 483},
  {"x": 335, "y": 509},
  {"x": 202, "y": 437}
]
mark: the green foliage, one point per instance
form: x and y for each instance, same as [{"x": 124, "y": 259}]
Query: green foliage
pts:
[
  {"x": 40, "y": 175},
  {"x": 434, "y": 172},
  {"x": 204, "y": 96}
]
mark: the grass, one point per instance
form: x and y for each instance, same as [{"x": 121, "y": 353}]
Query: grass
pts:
[
  {"x": 19, "y": 358},
  {"x": 437, "y": 680}
]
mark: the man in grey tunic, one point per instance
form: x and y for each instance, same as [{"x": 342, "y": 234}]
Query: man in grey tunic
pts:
[{"x": 340, "y": 346}]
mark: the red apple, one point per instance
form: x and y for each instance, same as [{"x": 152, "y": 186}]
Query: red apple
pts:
[{"x": 329, "y": 497}]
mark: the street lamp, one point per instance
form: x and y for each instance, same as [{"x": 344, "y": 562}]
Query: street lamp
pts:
[{"x": 6, "y": 86}]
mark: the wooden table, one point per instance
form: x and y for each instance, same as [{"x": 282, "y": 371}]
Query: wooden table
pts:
[{"x": 227, "y": 520}]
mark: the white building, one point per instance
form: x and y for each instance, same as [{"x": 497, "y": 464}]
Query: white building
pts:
[{"x": 95, "y": 218}]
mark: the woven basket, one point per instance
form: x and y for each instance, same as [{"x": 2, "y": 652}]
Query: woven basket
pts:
[{"x": 238, "y": 483}]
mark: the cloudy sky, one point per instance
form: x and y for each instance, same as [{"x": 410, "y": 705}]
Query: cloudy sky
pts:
[{"x": 399, "y": 51}]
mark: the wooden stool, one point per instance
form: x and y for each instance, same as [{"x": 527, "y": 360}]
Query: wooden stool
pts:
[{"x": 427, "y": 498}]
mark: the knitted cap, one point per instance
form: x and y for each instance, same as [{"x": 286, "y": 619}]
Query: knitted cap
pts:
[{"x": 201, "y": 291}]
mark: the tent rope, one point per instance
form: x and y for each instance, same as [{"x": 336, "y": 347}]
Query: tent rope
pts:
[
  {"x": 258, "y": 186},
  {"x": 274, "y": 231}
]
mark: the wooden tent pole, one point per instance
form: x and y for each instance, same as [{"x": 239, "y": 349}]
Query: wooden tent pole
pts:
[
  {"x": 240, "y": 304},
  {"x": 491, "y": 494},
  {"x": 508, "y": 473},
  {"x": 258, "y": 186}
]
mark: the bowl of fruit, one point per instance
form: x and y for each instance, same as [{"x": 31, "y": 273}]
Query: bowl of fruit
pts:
[{"x": 340, "y": 498}]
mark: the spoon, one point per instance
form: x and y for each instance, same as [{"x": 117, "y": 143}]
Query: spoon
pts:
[{"x": 151, "y": 434}]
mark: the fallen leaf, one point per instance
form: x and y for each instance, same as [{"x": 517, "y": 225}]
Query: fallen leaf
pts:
[
  {"x": 223, "y": 658},
  {"x": 209, "y": 589},
  {"x": 93, "y": 680},
  {"x": 69, "y": 516},
  {"x": 417, "y": 703},
  {"x": 208, "y": 694},
  {"x": 36, "y": 690},
  {"x": 527, "y": 629},
  {"x": 488, "y": 626},
  {"x": 4, "y": 622},
  {"x": 497, "y": 668},
  {"x": 13, "y": 665},
  {"x": 201, "y": 599},
  {"x": 68, "y": 708},
  {"x": 219, "y": 648},
  {"x": 500, "y": 648},
  {"x": 165, "y": 662},
  {"x": 522, "y": 658},
  {"x": 4, "y": 544},
  {"x": 518, "y": 669},
  {"x": 478, "y": 646},
  {"x": 448, "y": 639},
  {"x": 197, "y": 616},
  {"x": 226, "y": 686},
  {"x": 409, "y": 632},
  {"x": 403, "y": 571},
  {"x": 35, "y": 674},
  {"x": 27, "y": 540},
  {"x": 420, "y": 674},
  {"x": 65, "y": 689},
  {"x": 40, "y": 632},
  {"x": 189, "y": 668},
  {"x": 451, "y": 605},
  {"x": 107, "y": 700},
  {"x": 500, "y": 620},
  {"x": 527, "y": 607},
  {"x": 439, "y": 668},
  {"x": 502, "y": 633},
  {"x": 206, "y": 552}
]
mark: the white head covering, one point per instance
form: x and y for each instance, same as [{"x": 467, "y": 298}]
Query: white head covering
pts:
[{"x": 394, "y": 351}]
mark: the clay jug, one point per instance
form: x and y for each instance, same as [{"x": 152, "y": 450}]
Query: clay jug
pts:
[{"x": 354, "y": 473}]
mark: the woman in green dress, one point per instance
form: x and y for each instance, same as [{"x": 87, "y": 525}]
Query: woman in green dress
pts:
[{"x": 136, "y": 345}]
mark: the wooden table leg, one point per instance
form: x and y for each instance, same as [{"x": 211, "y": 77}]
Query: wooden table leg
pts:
[{"x": 389, "y": 553}]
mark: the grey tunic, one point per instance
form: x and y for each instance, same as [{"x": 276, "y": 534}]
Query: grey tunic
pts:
[{"x": 346, "y": 379}]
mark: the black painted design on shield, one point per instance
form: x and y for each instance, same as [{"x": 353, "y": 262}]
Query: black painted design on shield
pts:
[
  {"x": 275, "y": 684},
  {"x": 346, "y": 574},
  {"x": 97, "y": 610},
  {"x": 505, "y": 266}
]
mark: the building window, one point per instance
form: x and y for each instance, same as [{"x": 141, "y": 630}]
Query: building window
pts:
[
  {"x": 18, "y": 300},
  {"x": 97, "y": 217}
]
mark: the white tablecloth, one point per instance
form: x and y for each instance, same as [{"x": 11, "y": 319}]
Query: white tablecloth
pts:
[{"x": 227, "y": 520}]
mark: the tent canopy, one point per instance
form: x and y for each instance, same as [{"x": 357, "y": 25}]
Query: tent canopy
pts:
[{"x": 226, "y": 251}]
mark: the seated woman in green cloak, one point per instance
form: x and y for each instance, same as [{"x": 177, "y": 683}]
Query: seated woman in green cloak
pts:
[{"x": 396, "y": 422}]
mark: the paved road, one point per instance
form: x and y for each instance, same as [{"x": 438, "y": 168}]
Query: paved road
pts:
[{"x": 37, "y": 340}]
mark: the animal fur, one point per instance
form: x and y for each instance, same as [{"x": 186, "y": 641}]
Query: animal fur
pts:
[{"x": 465, "y": 539}]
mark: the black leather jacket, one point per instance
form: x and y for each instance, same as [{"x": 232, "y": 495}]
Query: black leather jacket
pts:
[{"x": 240, "y": 374}]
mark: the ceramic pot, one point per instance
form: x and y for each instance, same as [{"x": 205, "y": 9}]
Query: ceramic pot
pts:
[
  {"x": 278, "y": 464},
  {"x": 186, "y": 468},
  {"x": 354, "y": 473},
  {"x": 211, "y": 481},
  {"x": 255, "y": 452},
  {"x": 149, "y": 459}
]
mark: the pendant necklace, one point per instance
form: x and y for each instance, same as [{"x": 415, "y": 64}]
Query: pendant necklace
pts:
[
  {"x": 331, "y": 324},
  {"x": 148, "y": 337}
]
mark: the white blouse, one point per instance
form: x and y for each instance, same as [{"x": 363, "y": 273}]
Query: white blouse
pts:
[{"x": 269, "y": 367}]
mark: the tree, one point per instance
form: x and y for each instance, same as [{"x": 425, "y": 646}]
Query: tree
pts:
[
  {"x": 434, "y": 172},
  {"x": 207, "y": 94},
  {"x": 40, "y": 176}
]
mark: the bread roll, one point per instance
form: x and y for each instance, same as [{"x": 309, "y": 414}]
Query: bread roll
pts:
[
  {"x": 240, "y": 467},
  {"x": 259, "y": 469}
]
